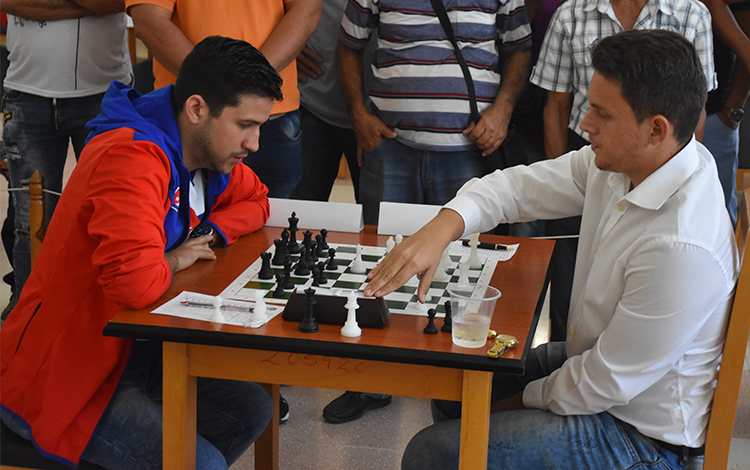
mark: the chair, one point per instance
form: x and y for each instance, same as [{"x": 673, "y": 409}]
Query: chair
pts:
[
  {"x": 15, "y": 451},
  {"x": 721, "y": 422}
]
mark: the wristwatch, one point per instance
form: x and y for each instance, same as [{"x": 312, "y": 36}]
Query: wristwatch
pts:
[
  {"x": 734, "y": 115},
  {"x": 202, "y": 229}
]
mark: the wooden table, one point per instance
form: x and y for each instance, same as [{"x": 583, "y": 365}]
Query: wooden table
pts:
[{"x": 398, "y": 359}]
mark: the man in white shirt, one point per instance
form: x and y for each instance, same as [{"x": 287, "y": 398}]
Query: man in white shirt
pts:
[{"x": 655, "y": 272}]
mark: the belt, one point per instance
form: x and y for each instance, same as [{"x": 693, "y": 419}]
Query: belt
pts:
[{"x": 682, "y": 451}]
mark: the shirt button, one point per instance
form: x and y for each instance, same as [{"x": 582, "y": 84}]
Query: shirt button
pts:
[
  {"x": 620, "y": 207},
  {"x": 570, "y": 332}
]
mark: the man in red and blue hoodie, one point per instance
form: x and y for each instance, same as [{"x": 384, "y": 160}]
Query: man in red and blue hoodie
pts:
[{"x": 160, "y": 180}]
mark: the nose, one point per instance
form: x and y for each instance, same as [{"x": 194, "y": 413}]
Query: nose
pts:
[
  {"x": 585, "y": 124},
  {"x": 251, "y": 141}
]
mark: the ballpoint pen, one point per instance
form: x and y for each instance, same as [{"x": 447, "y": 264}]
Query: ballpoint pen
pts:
[{"x": 490, "y": 246}]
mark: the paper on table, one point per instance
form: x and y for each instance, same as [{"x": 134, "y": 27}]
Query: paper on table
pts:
[
  {"x": 457, "y": 248},
  {"x": 200, "y": 307}
]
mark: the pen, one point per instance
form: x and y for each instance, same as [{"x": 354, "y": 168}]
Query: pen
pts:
[
  {"x": 490, "y": 246},
  {"x": 223, "y": 307}
]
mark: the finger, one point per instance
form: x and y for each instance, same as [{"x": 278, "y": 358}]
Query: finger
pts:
[
  {"x": 469, "y": 129},
  {"x": 359, "y": 155}
]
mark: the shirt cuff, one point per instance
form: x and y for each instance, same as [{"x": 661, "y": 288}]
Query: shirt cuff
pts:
[
  {"x": 468, "y": 211},
  {"x": 532, "y": 395}
]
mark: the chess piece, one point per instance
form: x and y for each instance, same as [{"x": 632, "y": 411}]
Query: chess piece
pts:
[
  {"x": 315, "y": 275},
  {"x": 351, "y": 328},
  {"x": 463, "y": 272},
  {"x": 307, "y": 240},
  {"x": 440, "y": 274},
  {"x": 474, "y": 262},
  {"x": 259, "y": 310},
  {"x": 431, "y": 329},
  {"x": 293, "y": 246},
  {"x": 448, "y": 319},
  {"x": 309, "y": 324},
  {"x": 265, "y": 267},
  {"x": 389, "y": 244},
  {"x": 279, "y": 293},
  {"x": 217, "y": 317},
  {"x": 324, "y": 235},
  {"x": 288, "y": 281},
  {"x": 322, "y": 279},
  {"x": 302, "y": 269},
  {"x": 331, "y": 265},
  {"x": 357, "y": 266},
  {"x": 399, "y": 238},
  {"x": 279, "y": 246},
  {"x": 319, "y": 250}
]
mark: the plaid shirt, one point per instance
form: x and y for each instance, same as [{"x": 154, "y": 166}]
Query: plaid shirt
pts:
[{"x": 564, "y": 64}]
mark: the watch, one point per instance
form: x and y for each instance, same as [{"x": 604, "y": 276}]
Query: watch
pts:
[
  {"x": 734, "y": 115},
  {"x": 202, "y": 229}
]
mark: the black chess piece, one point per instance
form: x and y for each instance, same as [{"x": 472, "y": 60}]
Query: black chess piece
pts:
[
  {"x": 279, "y": 252},
  {"x": 302, "y": 269},
  {"x": 322, "y": 279},
  {"x": 315, "y": 275},
  {"x": 308, "y": 323},
  {"x": 279, "y": 293},
  {"x": 431, "y": 329},
  {"x": 332, "y": 266},
  {"x": 288, "y": 282},
  {"x": 307, "y": 238},
  {"x": 293, "y": 246},
  {"x": 324, "y": 235},
  {"x": 265, "y": 267},
  {"x": 319, "y": 250},
  {"x": 448, "y": 320}
]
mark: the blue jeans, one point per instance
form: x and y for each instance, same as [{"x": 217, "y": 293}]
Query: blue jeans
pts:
[
  {"x": 322, "y": 147},
  {"x": 36, "y": 132},
  {"x": 231, "y": 415},
  {"x": 395, "y": 172},
  {"x": 724, "y": 145},
  {"x": 539, "y": 439},
  {"x": 278, "y": 161}
]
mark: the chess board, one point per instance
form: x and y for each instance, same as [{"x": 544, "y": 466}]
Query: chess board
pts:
[{"x": 342, "y": 280}]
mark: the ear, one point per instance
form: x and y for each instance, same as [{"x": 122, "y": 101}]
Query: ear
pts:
[
  {"x": 661, "y": 130},
  {"x": 196, "y": 109}
]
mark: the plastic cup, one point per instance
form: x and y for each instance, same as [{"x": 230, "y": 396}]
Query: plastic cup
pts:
[{"x": 472, "y": 306}]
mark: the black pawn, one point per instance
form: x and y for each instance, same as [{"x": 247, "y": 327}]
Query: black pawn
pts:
[
  {"x": 430, "y": 329},
  {"x": 265, "y": 267},
  {"x": 448, "y": 320},
  {"x": 309, "y": 324},
  {"x": 315, "y": 275},
  {"x": 319, "y": 249},
  {"x": 288, "y": 283},
  {"x": 322, "y": 279},
  {"x": 279, "y": 252},
  {"x": 323, "y": 235},
  {"x": 279, "y": 293},
  {"x": 332, "y": 266},
  {"x": 302, "y": 269}
]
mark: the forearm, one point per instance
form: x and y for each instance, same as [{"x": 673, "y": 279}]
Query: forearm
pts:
[
  {"x": 350, "y": 76},
  {"x": 514, "y": 80},
  {"x": 291, "y": 34},
  {"x": 729, "y": 30},
  {"x": 556, "y": 119},
  {"x": 44, "y": 10},
  {"x": 153, "y": 25}
]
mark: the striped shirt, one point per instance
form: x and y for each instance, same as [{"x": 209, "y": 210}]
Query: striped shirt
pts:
[
  {"x": 418, "y": 88},
  {"x": 564, "y": 63}
]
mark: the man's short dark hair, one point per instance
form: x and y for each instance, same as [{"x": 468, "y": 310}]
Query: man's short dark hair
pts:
[
  {"x": 223, "y": 70},
  {"x": 659, "y": 72}
]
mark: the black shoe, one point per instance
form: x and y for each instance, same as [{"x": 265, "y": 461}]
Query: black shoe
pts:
[
  {"x": 351, "y": 406},
  {"x": 283, "y": 410}
]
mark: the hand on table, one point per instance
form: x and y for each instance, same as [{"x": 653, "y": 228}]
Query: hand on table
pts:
[{"x": 189, "y": 252}]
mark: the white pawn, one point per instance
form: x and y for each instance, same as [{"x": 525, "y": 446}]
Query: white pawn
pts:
[
  {"x": 217, "y": 317},
  {"x": 357, "y": 266},
  {"x": 350, "y": 328},
  {"x": 474, "y": 262},
  {"x": 440, "y": 274},
  {"x": 399, "y": 238},
  {"x": 389, "y": 245},
  {"x": 463, "y": 272},
  {"x": 259, "y": 311}
]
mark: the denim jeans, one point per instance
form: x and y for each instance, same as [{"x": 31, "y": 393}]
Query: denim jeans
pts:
[
  {"x": 539, "y": 439},
  {"x": 231, "y": 416},
  {"x": 37, "y": 132},
  {"x": 278, "y": 161},
  {"x": 322, "y": 147},
  {"x": 724, "y": 145},
  {"x": 395, "y": 172}
]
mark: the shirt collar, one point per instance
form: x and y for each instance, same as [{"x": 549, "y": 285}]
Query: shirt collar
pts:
[
  {"x": 660, "y": 185},
  {"x": 605, "y": 7}
]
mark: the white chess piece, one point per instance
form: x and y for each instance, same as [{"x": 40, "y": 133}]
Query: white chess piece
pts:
[
  {"x": 389, "y": 245},
  {"x": 259, "y": 311},
  {"x": 463, "y": 272},
  {"x": 399, "y": 238},
  {"x": 350, "y": 328},
  {"x": 440, "y": 274},
  {"x": 357, "y": 266},
  {"x": 217, "y": 317},
  {"x": 474, "y": 262}
]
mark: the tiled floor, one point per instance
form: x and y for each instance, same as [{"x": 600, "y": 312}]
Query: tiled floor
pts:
[{"x": 377, "y": 440}]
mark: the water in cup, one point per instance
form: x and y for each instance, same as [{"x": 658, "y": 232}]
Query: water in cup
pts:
[
  {"x": 472, "y": 306},
  {"x": 470, "y": 330}
]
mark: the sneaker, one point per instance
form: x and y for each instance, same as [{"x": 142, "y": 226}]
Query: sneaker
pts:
[
  {"x": 283, "y": 410},
  {"x": 351, "y": 406}
]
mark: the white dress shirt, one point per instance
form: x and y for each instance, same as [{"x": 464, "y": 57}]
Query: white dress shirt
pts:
[{"x": 655, "y": 272}]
